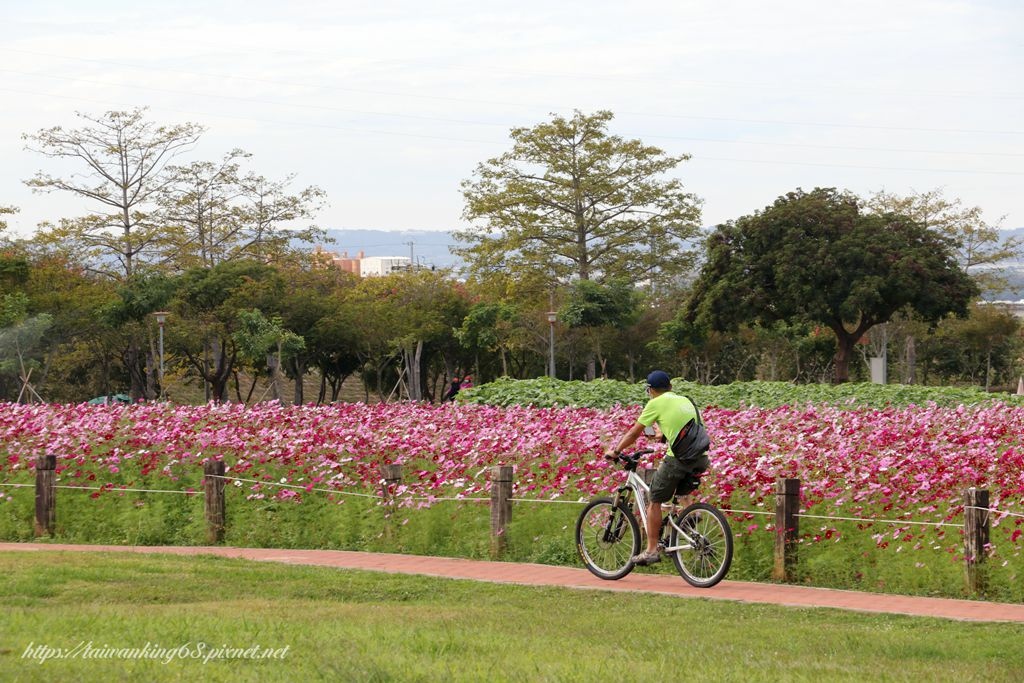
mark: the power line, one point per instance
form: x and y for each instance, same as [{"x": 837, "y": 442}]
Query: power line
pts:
[
  {"x": 871, "y": 168},
  {"x": 482, "y": 123},
  {"x": 188, "y": 93},
  {"x": 261, "y": 120},
  {"x": 626, "y": 78},
  {"x": 489, "y": 142},
  {"x": 522, "y": 104}
]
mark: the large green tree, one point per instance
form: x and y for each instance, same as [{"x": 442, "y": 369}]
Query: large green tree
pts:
[
  {"x": 574, "y": 202},
  {"x": 817, "y": 257}
]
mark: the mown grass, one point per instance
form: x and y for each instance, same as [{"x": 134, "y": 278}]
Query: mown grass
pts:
[
  {"x": 538, "y": 533},
  {"x": 344, "y": 625}
]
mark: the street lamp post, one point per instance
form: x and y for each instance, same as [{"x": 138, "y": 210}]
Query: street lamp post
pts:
[
  {"x": 161, "y": 318},
  {"x": 552, "y": 316}
]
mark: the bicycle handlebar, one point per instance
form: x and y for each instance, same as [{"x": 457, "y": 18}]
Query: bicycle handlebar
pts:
[{"x": 630, "y": 462}]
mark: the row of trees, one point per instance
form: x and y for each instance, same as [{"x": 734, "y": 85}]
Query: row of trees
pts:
[{"x": 571, "y": 219}]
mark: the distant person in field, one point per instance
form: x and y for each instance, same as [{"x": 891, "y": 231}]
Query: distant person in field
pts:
[
  {"x": 453, "y": 389},
  {"x": 467, "y": 382}
]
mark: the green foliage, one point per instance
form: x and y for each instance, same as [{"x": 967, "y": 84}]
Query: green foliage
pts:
[
  {"x": 14, "y": 270},
  {"x": 486, "y": 326},
  {"x": 258, "y": 335},
  {"x": 976, "y": 241},
  {"x": 815, "y": 257},
  {"x": 546, "y": 392},
  {"x": 592, "y": 304},
  {"x": 138, "y": 297},
  {"x": 20, "y": 335}
]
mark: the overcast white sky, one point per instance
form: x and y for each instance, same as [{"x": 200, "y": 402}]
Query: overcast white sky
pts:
[{"x": 389, "y": 105}]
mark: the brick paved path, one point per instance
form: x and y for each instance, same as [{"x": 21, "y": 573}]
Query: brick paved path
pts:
[{"x": 545, "y": 575}]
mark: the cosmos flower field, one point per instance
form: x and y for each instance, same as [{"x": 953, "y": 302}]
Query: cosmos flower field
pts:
[{"x": 894, "y": 464}]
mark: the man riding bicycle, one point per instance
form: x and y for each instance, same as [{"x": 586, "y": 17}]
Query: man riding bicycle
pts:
[{"x": 679, "y": 474}]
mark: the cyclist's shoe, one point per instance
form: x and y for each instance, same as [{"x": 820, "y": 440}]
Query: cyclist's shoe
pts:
[{"x": 645, "y": 558}]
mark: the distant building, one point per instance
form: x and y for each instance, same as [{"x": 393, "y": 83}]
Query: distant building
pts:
[
  {"x": 361, "y": 265},
  {"x": 382, "y": 265},
  {"x": 1014, "y": 307},
  {"x": 342, "y": 262}
]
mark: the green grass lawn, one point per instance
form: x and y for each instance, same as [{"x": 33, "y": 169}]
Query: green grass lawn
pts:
[{"x": 344, "y": 625}]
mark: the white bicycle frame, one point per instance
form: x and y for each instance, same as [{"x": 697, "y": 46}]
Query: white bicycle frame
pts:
[{"x": 642, "y": 492}]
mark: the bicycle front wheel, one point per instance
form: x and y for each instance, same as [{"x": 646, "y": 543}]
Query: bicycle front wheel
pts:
[
  {"x": 607, "y": 538},
  {"x": 700, "y": 544}
]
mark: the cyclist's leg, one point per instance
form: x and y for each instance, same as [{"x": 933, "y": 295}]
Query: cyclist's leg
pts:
[
  {"x": 663, "y": 488},
  {"x": 690, "y": 481}
]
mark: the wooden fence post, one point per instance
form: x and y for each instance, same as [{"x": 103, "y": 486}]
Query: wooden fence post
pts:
[
  {"x": 976, "y": 529},
  {"x": 392, "y": 475},
  {"x": 501, "y": 508},
  {"x": 46, "y": 494},
  {"x": 213, "y": 490},
  {"x": 392, "y": 478},
  {"x": 787, "y": 527}
]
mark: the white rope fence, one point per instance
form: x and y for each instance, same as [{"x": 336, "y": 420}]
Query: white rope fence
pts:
[
  {"x": 293, "y": 486},
  {"x": 111, "y": 488}
]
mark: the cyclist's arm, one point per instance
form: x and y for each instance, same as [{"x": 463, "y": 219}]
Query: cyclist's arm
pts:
[{"x": 627, "y": 440}]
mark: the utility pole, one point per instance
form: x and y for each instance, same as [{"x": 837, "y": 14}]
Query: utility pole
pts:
[{"x": 412, "y": 259}]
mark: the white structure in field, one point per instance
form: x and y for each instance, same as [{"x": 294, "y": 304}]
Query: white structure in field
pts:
[{"x": 382, "y": 265}]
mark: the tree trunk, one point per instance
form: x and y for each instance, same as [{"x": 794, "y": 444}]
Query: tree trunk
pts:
[
  {"x": 300, "y": 376},
  {"x": 909, "y": 367},
  {"x": 988, "y": 370},
  {"x": 152, "y": 376},
  {"x": 844, "y": 352},
  {"x": 221, "y": 373},
  {"x": 274, "y": 375},
  {"x": 136, "y": 374},
  {"x": 413, "y": 359}
]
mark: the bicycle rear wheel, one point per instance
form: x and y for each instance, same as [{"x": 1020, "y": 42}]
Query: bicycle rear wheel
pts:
[
  {"x": 702, "y": 540},
  {"x": 607, "y": 538}
]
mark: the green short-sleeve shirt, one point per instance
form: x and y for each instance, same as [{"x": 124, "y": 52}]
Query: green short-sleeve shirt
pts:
[{"x": 671, "y": 411}]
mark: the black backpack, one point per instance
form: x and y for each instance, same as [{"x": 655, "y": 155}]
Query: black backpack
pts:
[{"x": 693, "y": 440}]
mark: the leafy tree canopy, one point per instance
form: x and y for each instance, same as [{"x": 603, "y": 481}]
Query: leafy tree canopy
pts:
[
  {"x": 572, "y": 201},
  {"x": 594, "y": 305},
  {"x": 814, "y": 256}
]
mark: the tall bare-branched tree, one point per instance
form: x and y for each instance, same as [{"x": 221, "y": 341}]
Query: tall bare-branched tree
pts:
[{"x": 117, "y": 162}]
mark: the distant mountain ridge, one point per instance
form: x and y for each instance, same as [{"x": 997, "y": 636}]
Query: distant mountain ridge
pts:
[{"x": 432, "y": 248}]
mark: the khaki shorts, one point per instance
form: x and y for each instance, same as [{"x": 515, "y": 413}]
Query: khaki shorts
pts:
[{"x": 675, "y": 478}]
